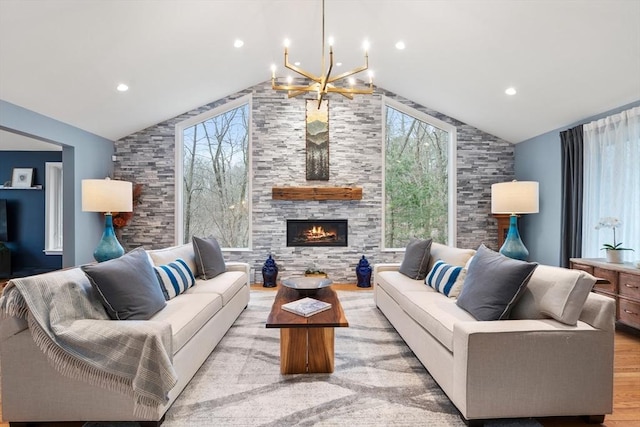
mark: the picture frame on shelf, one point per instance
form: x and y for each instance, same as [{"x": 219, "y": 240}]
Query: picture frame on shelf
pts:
[{"x": 22, "y": 178}]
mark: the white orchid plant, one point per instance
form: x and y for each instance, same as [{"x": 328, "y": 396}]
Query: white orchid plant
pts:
[{"x": 612, "y": 223}]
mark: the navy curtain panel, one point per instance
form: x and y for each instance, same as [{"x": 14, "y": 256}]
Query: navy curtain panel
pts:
[{"x": 572, "y": 183}]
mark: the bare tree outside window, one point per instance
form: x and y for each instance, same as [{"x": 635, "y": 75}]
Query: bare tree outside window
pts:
[
  {"x": 416, "y": 180},
  {"x": 215, "y": 178}
]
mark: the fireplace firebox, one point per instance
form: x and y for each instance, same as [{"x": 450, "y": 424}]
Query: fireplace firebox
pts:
[{"x": 317, "y": 232}]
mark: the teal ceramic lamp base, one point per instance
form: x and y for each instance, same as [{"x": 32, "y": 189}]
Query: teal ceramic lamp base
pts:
[
  {"x": 513, "y": 246},
  {"x": 109, "y": 247}
]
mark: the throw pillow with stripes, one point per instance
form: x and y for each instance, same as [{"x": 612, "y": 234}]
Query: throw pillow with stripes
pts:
[
  {"x": 175, "y": 278},
  {"x": 446, "y": 279}
]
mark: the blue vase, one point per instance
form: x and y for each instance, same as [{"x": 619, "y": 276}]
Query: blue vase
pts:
[
  {"x": 363, "y": 273},
  {"x": 513, "y": 246},
  {"x": 109, "y": 247},
  {"x": 269, "y": 273}
]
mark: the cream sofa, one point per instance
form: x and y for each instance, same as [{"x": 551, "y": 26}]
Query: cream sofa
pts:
[
  {"x": 32, "y": 390},
  {"x": 531, "y": 367}
]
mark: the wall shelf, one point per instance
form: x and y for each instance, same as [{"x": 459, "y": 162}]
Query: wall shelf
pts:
[
  {"x": 316, "y": 193},
  {"x": 35, "y": 187}
]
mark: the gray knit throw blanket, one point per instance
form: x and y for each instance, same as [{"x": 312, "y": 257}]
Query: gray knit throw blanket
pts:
[{"x": 69, "y": 324}]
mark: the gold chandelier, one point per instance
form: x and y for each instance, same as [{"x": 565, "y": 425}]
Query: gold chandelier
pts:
[{"x": 323, "y": 84}]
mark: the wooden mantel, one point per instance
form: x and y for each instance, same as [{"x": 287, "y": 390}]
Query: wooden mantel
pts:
[{"x": 316, "y": 193}]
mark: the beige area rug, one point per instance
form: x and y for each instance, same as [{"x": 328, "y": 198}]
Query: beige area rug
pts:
[{"x": 377, "y": 379}]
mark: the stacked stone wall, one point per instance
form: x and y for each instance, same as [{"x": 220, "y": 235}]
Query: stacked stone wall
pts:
[{"x": 278, "y": 159}]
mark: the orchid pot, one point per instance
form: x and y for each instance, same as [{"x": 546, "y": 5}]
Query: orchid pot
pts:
[
  {"x": 614, "y": 256},
  {"x": 614, "y": 251}
]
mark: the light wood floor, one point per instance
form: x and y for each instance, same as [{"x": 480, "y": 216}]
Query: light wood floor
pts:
[{"x": 626, "y": 379}]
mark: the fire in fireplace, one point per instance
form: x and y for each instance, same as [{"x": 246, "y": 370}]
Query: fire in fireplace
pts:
[{"x": 313, "y": 232}]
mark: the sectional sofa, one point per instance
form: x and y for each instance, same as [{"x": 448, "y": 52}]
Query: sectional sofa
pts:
[
  {"x": 196, "y": 320},
  {"x": 554, "y": 357}
]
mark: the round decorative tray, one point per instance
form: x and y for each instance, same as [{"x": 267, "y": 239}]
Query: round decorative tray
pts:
[{"x": 306, "y": 285}]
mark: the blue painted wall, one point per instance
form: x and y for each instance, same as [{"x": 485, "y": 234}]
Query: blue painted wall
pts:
[
  {"x": 84, "y": 155},
  {"x": 26, "y": 213},
  {"x": 539, "y": 159}
]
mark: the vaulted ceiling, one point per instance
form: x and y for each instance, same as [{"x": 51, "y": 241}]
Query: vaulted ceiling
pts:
[{"x": 567, "y": 59}]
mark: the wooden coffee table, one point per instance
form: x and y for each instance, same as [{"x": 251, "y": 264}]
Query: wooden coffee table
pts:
[{"x": 306, "y": 343}]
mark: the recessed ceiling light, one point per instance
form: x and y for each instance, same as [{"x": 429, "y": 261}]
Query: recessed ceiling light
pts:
[
  {"x": 297, "y": 63},
  {"x": 400, "y": 45},
  {"x": 511, "y": 91},
  {"x": 238, "y": 43},
  {"x": 338, "y": 64},
  {"x": 122, "y": 87}
]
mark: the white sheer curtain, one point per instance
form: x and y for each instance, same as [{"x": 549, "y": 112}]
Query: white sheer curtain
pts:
[{"x": 612, "y": 183}]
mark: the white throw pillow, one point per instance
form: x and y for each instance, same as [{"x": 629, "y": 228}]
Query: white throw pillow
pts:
[{"x": 554, "y": 292}]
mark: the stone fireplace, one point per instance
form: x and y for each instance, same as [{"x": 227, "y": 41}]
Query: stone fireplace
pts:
[
  {"x": 317, "y": 232},
  {"x": 278, "y": 176}
]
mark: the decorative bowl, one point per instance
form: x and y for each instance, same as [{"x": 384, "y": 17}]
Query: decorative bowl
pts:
[{"x": 306, "y": 285}]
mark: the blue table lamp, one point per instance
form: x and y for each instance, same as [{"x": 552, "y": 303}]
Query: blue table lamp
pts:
[
  {"x": 107, "y": 196},
  {"x": 514, "y": 198}
]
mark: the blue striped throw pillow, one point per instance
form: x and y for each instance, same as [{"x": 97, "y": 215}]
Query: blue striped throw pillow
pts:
[
  {"x": 446, "y": 279},
  {"x": 175, "y": 278}
]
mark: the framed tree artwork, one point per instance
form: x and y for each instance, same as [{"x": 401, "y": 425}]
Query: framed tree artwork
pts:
[{"x": 317, "y": 135}]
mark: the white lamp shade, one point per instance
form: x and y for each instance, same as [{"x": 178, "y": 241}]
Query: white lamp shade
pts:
[
  {"x": 516, "y": 197},
  {"x": 107, "y": 195}
]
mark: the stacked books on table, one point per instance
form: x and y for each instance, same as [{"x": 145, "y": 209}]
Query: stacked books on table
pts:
[{"x": 306, "y": 306}]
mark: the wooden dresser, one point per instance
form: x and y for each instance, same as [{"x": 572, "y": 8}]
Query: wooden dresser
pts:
[{"x": 623, "y": 286}]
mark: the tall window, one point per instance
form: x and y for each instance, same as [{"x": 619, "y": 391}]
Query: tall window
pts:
[
  {"x": 612, "y": 183},
  {"x": 419, "y": 183},
  {"x": 215, "y": 175}
]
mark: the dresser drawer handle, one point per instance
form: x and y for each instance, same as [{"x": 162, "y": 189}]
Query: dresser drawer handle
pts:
[
  {"x": 631, "y": 286},
  {"x": 630, "y": 312}
]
